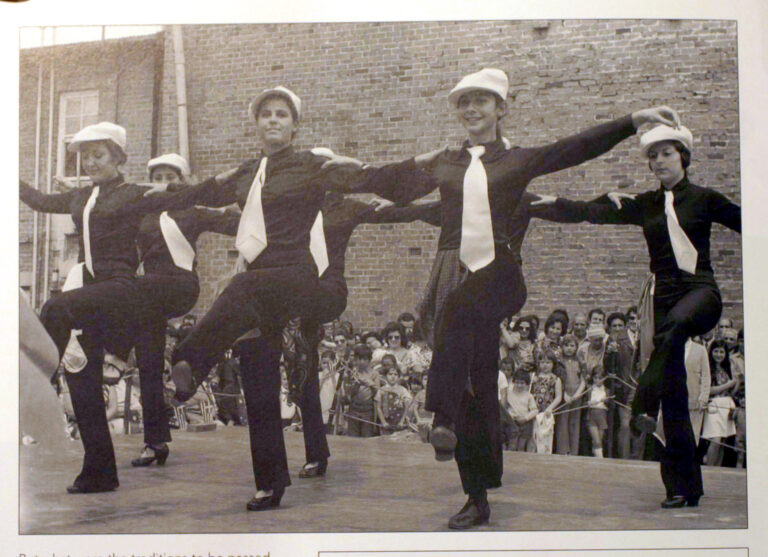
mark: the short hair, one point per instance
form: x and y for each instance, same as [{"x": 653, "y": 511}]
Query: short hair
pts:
[
  {"x": 406, "y": 316},
  {"x": 594, "y": 311},
  {"x": 631, "y": 309},
  {"x": 368, "y": 334},
  {"x": 616, "y": 315},
  {"x": 330, "y": 354},
  {"x": 362, "y": 352}
]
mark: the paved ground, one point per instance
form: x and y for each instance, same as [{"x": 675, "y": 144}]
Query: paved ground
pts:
[{"x": 372, "y": 485}]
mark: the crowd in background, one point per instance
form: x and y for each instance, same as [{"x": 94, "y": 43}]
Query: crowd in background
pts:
[{"x": 565, "y": 387}]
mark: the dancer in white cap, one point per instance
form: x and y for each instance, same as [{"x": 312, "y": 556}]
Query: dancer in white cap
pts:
[
  {"x": 169, "y": 288},
  {"x": 101, "y": 298},
  {"x": 478, "y": 280},
  {"x": 676, "y": 219}
]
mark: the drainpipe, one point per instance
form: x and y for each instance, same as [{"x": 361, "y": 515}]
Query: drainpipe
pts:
[
  {"x": 47, "y": 237},
  {"x": 35, "y": 223},
  {"x": 181, "y": 91}
]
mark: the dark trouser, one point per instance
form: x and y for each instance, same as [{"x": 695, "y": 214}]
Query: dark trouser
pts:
[
  {"x": 466, "y": 350},
  {"x": 164, "y": 296},
  {"x": 327, "y": 304},
  {"x": 683, "y": 307},
  {"x": 263, "y": 298},
  {"x": 260, "y": 372},
  {"x": 100, "y": 310}
]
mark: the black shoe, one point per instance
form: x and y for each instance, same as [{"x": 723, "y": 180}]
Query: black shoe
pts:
[
  {"x": 314, "y": 469},
  {"x": 674, "y": 502},
  {"x": 692, "y": 502},
  {"x": 476, "y": 511},
  {"x": 643, "y": 423},
  {"x": 101, "y": 486},
  {"x": 160, "y": 455},
  {"x": 443, "y": 440},
  {"x": 265, "y": 503},
  {"x": 184, "y": 380}
]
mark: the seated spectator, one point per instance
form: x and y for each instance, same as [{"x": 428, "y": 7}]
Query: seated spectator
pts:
[
  {"x": 392, "y": 401},
  {"x": 360, "y": 388},
  {"x": 522, "y": 409}
]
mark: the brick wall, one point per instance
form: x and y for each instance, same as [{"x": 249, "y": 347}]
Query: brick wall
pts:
[
  {"x": 123, "y": 72},
  {"x": 377, "y": 91}
]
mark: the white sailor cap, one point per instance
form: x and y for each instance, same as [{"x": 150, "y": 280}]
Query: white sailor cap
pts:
[
  {"x": 487, "y": 79},
  {"x": 666, "y": 133},
  {"x": 281, "y": 91},
  {"x": 103, "y": 131},
  {"x": 171, "y": 159}
]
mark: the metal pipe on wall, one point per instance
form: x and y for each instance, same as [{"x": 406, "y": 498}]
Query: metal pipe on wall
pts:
[
  {"x": 181, "y": 91},
  {"x": 35, "y": 222},
  {"x": 47, "y": 238}
]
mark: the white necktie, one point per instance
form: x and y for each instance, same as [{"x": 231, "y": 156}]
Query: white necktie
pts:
[
  {"x": 477, "y": 249},
  {"x": 87, "y": 229},
  {"x": 317, "y": 246},
  {"x": 685, "y": 252},
  {"x": 182, "y": 253},
  {"x": 252, "y": 230}
]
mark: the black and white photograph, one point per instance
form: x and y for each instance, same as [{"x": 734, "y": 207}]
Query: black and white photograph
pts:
[{"x": 286, "y": 279}]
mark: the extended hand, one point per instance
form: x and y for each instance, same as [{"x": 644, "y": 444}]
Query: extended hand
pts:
[
  {"x": 616, "y": 197},
  {"x": 425, "y": 158},
  {"x": 337, "y": 161},
  {"x": 156, "y": 188},
  {"x": 658, "y": 114},
  {"x": 545, "y": 200}
]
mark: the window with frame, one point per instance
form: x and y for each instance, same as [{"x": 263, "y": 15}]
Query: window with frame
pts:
[{"x": 77, "y": 109}]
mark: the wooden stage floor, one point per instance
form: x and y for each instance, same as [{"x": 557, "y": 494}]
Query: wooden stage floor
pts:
[{"x": 372, "y": 485}]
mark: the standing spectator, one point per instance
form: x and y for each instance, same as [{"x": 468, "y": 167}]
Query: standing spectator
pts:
[
  {"x": 408, "y": 321},
  {"x": 419, "y": 416},
  {"x": 394, "y": 337},
  {"x": 597, "y": 317},
  {"x": 579, "y": 328},
  {"x": 520, "y": 341},
  {"x": 328, "y": 380},
  {"x": 740, "y": 420},
  {"x": 392, "y": 401},
  {"x": 547, "y": 389},
  {"x": 568, "y": 423},
  {"x": 722, "y": 325},
  {"x": 522, "y": 409},
  {"x": 360, "y": 388},
  {"x": 555, "y": 327},
  {"x": 340, "y": 342},
  {"x": 597, "y": 421},
  {"x": 717, "y": 422},
  {"x": 632, "y": 325},
  {"x": 618, "y": 368},
  {"x": 731, "y": 338},
  {"x": 419, "y": 356},
  {"x": 699, "y": 383}
]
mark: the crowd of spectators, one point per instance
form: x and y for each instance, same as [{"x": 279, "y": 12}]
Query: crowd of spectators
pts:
[{"x": 564, "y": 388}]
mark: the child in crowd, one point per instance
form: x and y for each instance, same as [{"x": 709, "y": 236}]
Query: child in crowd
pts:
[
  {"x": 740, "y": 419},
  {"x": 392, "y": 401},
  {"x": 388, "y": 361},
  {"x": 597, "y": 419},
  {"x": 420, "y": 418},
  {"x": 567, "y": 424},
  {"x": 360, "y": 388},
  {"x": 521, "y": 408},
  {"x": 547, "y": 389}
]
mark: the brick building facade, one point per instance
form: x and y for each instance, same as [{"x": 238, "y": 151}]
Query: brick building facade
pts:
[{"x": 377, "y": 91}]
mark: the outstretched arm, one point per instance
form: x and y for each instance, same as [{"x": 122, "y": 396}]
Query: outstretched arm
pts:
[
  {"x": 593, "y": 142},
  {"x": 601, "y": 210},
  {"x": 46, "y": 202}
]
